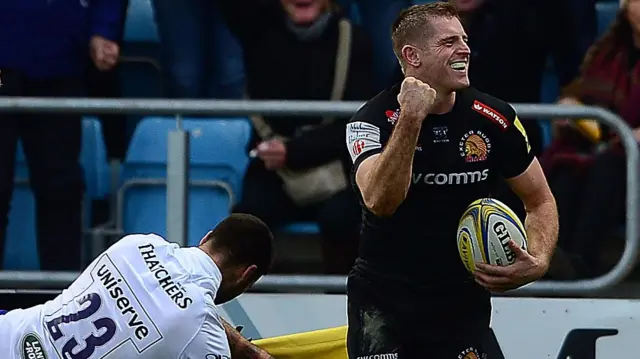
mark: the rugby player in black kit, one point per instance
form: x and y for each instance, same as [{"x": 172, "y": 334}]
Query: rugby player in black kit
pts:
[{"x": 422, "y": 152}]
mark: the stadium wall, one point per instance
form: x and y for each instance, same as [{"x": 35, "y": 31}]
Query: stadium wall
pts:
[{"x": 526, "y": 328}]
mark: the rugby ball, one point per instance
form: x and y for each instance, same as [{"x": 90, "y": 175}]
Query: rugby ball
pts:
[{"x": 484, "y": 232}]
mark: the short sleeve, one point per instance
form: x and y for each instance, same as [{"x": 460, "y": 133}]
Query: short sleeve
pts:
[
  {"x": 210, "y": 341},
  {"x": 368, "y": 133},
  {"x": 516, "y": 151}
]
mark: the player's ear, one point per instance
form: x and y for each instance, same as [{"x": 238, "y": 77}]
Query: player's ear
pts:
[
  {"x": 411, "y": 55},
  {"x": 205, "y": 238},
  {"x": 249, "y": 273}
]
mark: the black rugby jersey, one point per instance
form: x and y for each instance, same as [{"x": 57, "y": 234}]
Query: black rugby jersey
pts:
[{"x": 459, "y": 157}]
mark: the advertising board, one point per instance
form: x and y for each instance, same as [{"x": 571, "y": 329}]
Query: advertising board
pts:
[{"x": 526, "y": 328}]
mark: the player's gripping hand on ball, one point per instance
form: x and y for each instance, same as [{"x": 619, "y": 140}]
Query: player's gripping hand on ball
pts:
[
  {"x": 416, "y": 98},
  {"x": 524, "y": 270}
]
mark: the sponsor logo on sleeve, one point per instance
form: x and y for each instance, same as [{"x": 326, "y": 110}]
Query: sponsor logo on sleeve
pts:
[
  {"x": 32, "y": 347},
  {"x": 392, "y": 116},
  {"x": 491, "y": 114},
  {"x": 362, "y": 137}
]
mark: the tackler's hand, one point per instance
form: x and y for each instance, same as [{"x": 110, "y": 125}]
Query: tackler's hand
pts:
[
  {"x": 524, "y": 270},
  {"x": 416, "y": 98}
]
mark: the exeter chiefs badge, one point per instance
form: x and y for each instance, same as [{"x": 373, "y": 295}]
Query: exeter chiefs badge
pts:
[
  {"x": 470, "y": 353},
  {"x": 474, "y": 146}
]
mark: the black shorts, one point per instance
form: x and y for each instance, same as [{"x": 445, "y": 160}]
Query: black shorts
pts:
[{"x": 384, "y": 324}]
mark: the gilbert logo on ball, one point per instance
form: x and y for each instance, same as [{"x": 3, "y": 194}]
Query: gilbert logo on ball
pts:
[{"x": 485, "y": 229}]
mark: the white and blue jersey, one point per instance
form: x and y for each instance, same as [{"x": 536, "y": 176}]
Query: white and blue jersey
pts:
[{"x": 143, "y": 298}]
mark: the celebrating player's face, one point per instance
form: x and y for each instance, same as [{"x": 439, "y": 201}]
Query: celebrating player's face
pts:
[{"x": 446, "y": 56}]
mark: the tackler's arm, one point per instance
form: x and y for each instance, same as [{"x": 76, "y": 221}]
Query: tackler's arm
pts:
[{"x": 241, "y": 348}]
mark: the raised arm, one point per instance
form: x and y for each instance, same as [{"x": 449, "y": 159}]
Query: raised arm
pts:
[{"x": 384, "y": 178}]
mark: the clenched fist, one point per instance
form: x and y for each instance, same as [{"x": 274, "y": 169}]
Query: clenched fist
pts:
[
  {"x": 104, "y": 52},
  {"x": 416, "y": 97}
]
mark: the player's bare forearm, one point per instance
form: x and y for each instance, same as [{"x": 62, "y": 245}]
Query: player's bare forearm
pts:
[
  {"x": 387, "y": 183},
  {"x": 542, "y": 214},
  {"x": 542, "y": 229},
  {"x": 241, "y": 348}
]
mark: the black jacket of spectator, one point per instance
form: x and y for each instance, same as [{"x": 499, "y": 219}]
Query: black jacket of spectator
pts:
[
  {"x": 279, "y": 65},
  {"x": 510, "y": 43},
  {"x": 50, "y": 38},
  {"x": 511, "y": 40}
]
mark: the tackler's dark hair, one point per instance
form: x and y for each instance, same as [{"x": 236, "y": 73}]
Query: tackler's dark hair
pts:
[{"x": 244, "y": 239}]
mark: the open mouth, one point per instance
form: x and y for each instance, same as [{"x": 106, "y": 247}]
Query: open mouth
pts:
[
  {"x": 303, "y": 4},
  {"x": 459, "y": 65}
]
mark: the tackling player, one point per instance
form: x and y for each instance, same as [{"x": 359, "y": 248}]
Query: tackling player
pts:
[
  {"x": 422, "y": 152},
  {"x": 146, "y": 298}
]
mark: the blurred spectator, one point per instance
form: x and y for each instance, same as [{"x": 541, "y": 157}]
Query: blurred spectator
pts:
[
  {"x": 585, "y": 176},
  {"x": 303, "y": 49},
  {"x": 200, "y": 57},
  {"x": 43, "y": 47},
  {"x": 376, "y": 18},
  {"x": 511, "y": 40},
  {"x": 106, "y": 84}
]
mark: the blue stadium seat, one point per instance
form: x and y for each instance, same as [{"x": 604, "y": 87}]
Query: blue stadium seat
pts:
[
  {"x": 217, "y": 160},
  {"x": 606, "y": 12},
  {"x": 301, "y": 228},
  {"x": 21, "y": 244},
  {"x": 139, "y": 68},
  {"x": 140, "y": 25},
  {"x": 94, "y": 159}
]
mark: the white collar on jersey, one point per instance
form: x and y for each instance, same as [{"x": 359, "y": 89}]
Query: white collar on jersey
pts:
[{"x": 206, "y": 263}]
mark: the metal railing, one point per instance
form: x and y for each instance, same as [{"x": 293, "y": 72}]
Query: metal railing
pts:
[{"x": 177, "y": 179}]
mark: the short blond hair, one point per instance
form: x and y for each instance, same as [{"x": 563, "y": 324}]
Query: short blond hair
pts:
[{"x": 413, "y": 22}]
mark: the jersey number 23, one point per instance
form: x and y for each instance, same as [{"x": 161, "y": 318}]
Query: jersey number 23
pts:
[{"x": 70, "y": 347}]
